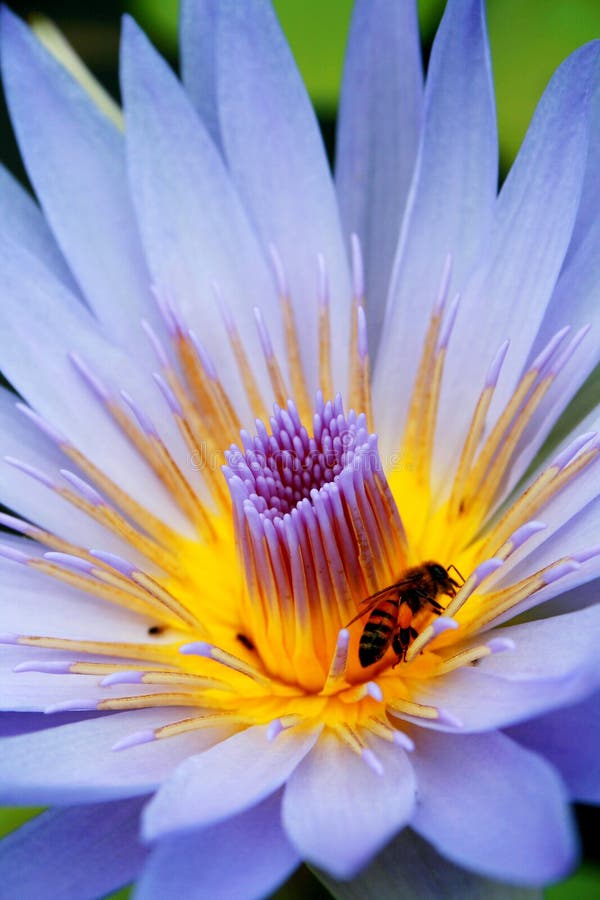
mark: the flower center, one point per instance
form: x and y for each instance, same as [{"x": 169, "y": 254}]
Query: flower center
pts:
[
  {"x": 318, "y": 530},
  {"x": 299, "y": 595}
]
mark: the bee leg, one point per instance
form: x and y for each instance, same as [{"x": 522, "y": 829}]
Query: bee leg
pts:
[{"x": 400, "y": 642}]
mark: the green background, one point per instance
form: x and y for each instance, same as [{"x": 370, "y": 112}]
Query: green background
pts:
[{"x": 529, "y": 39}]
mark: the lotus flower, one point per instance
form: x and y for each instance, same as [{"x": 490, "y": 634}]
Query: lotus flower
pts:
[{"x": 288, "y": 576}]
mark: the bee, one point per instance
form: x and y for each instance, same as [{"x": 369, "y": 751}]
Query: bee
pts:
[{"x": 393, "y": 609}]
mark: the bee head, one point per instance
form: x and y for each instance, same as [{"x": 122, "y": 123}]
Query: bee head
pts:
[{"x": 441, "y": 577}]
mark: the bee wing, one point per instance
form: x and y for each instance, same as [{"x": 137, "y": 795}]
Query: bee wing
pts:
[
  {"x": 397, "y": 586},
  {"x": 371, "y": 602}
]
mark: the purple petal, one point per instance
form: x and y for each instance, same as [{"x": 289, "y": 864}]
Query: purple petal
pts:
[
  {"x": 226, "y": 780},
  {"x": 489, "y": 805},
  {"x": 569, "y": 738},
  {"x": 247, "y": 856},
  {"x": 76, "y": 764},
  {"x": 524, "y": 252},
  {"x": 338, "y": 812},
  {"x": 71, "y": 853},
  {"x": 379, "y": 125},
  {"x": 284, "y": 180},
  {"x": 410, "y": 868},
  {"x": 451, "y": 200}
]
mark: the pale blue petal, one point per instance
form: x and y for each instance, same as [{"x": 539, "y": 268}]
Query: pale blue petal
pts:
[
  {"x": 32, "y": 603},
  {"x": 579, "y": 597},
  {"x": 450, "y": 205},
  {"x": 378, "y": 131},
  {"x": 489, "y": 805},
  {"x": 35, "y": 691},
  {"x": 508, "y": 293},
  {"x": 578, "y": 535},
  {"x": 570, "y": 739},
  {"x": 76, "y": 763},
  {"x": 193, "y": 226},
  {"x": 339, "y": 812},
  {"x": 574, "y": 303},
  {"x": 31, "y": 499},
  {"x": 23, "y": 223},
  {"x": 75, "y": 158},
  {"x": 41, "y": 324},
  {"x": 226, "y": 780},
  {"x": 557, "y": 648},
  {"x": 24, "y": 690},
  {"x": 481, "y": 702},
  {"x": 197, "y": 32},
  {"x": 274, "y": 150},
  {"x": 587, "y": 214},
  {"x": 72, "y": 854},
  {"x": 246, "y": 857},
  {"x": 15, "y": 723},
  {"x": 554, "y": 663}
]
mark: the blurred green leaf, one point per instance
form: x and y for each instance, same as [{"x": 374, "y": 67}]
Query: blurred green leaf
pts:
[
  {"x": 584, "y": 885},
  {"x": 159, "y": 19},
  {"x": 123, "y": 894},
  {"x": 11, "y": 818},
  {"x": 529, "y": 40},
  {"x": 317, "y": 35}
]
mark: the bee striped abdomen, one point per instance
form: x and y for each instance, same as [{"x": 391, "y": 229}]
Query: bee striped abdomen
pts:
[
  {"x": 378, "y": 631},
  {"x": 393, "y": 609}
]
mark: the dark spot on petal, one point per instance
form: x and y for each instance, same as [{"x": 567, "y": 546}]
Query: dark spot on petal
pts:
[{"x": 246, "y": 642}]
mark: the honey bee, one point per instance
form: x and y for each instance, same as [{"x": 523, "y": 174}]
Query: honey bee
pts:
[{"x": 392, "y": 610}]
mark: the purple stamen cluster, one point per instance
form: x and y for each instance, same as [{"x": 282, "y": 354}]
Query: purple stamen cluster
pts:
[{"x": 280, "y": 469}]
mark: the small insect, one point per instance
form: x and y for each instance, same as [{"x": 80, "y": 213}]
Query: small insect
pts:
[{"x": 393, "y": 609}]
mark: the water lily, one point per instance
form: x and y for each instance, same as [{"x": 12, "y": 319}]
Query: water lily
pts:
[{"x": 250, "y": 401}]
